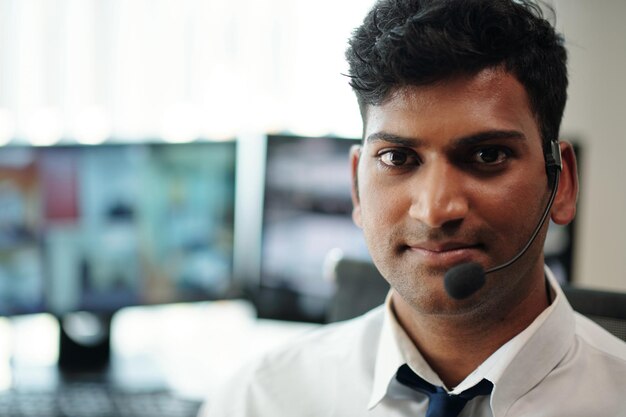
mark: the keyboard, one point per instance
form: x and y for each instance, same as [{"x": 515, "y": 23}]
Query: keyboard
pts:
[{"x": 94, "y": 400}]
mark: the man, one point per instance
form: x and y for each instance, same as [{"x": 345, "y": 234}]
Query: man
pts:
[{"x": 461, "y": 103}]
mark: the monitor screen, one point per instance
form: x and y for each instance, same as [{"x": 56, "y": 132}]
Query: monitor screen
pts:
[
  {"x": 307, "y": 213},
  {"x": 98, "y": 228}
]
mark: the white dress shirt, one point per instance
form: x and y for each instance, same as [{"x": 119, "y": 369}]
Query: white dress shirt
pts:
[{"x": 561, "y": 365}]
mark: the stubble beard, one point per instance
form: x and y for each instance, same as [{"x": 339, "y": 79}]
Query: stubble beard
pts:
[{"x": 421, "y": 286}]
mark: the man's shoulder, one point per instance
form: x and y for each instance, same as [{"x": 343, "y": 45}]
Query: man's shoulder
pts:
[
  {"x": 590, "y": 378},
  {"x": 335, "y": 359},
  {"x": 597, "y": 359},
  {"x": 341, "y": 341},
  {"x": 598, "y": 341}
]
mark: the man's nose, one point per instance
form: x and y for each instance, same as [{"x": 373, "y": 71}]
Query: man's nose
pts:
[{"x": 438, "y": 195}]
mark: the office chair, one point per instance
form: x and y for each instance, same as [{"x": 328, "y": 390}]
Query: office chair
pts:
[{"x": 360, "y": 287}]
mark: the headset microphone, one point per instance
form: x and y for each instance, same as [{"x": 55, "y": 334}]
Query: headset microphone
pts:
[{"x": 465, "y": 279}]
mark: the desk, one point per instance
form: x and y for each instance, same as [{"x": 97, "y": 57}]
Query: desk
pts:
[{"x": 193, "y": 347}]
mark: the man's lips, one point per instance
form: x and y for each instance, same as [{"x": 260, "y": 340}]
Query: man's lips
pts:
[{"x": 445, "y": 253}]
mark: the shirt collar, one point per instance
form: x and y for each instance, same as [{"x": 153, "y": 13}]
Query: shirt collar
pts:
[
  {"x": 395, "y": 348},
  {"x": 388, "y": 357},
  {"x": 532, "y": 353},
  {"x": 545, "y": 343}
]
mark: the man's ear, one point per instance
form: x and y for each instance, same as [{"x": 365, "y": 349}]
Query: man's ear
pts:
[
  {"x": 564, "y": 207},
  {"x": 355, "y": 155}
]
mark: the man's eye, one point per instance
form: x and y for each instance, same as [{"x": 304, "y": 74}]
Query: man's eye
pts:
[
  {"x": 490, "y": 156},
  {"x": 396, "y": 158}
]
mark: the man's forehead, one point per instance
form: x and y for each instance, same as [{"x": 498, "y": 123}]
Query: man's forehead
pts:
[
  {"x": 490, "y": 100},
  {"x": 477, "y": 82}
]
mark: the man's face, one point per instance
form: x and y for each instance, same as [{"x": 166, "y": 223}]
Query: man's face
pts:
[{"x": 450, "y": 173}]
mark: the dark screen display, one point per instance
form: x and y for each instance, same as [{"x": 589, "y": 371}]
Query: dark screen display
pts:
[{"x": 307, "y": 212}]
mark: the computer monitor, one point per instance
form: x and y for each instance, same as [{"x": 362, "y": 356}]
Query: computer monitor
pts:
[
  {"x": 306, "y": 218},
  {"x": 99, "y": 228}
]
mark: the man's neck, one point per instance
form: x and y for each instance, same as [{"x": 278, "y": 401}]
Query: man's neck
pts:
[{"x": 455, "y": 346}]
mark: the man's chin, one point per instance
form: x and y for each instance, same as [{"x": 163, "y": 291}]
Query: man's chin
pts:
[{"x": 428, "y": 296}]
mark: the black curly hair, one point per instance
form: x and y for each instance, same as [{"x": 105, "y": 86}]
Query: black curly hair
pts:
[{"x": 419, "y": 42}]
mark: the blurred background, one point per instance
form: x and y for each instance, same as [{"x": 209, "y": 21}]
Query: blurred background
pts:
[{"x": 160, "y": 152}]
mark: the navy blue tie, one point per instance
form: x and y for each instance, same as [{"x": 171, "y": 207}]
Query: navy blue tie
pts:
[{"x": 441, "y": 404}]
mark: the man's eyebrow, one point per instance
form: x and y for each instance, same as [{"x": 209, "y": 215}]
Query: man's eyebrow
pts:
[
  {"x": 468, "y": 140},
  {"x": 488, "y": 135},
  {"x": 391, "y": 138}
]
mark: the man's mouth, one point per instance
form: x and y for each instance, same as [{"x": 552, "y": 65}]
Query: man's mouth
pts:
[{"x": 444, "y": 254}]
